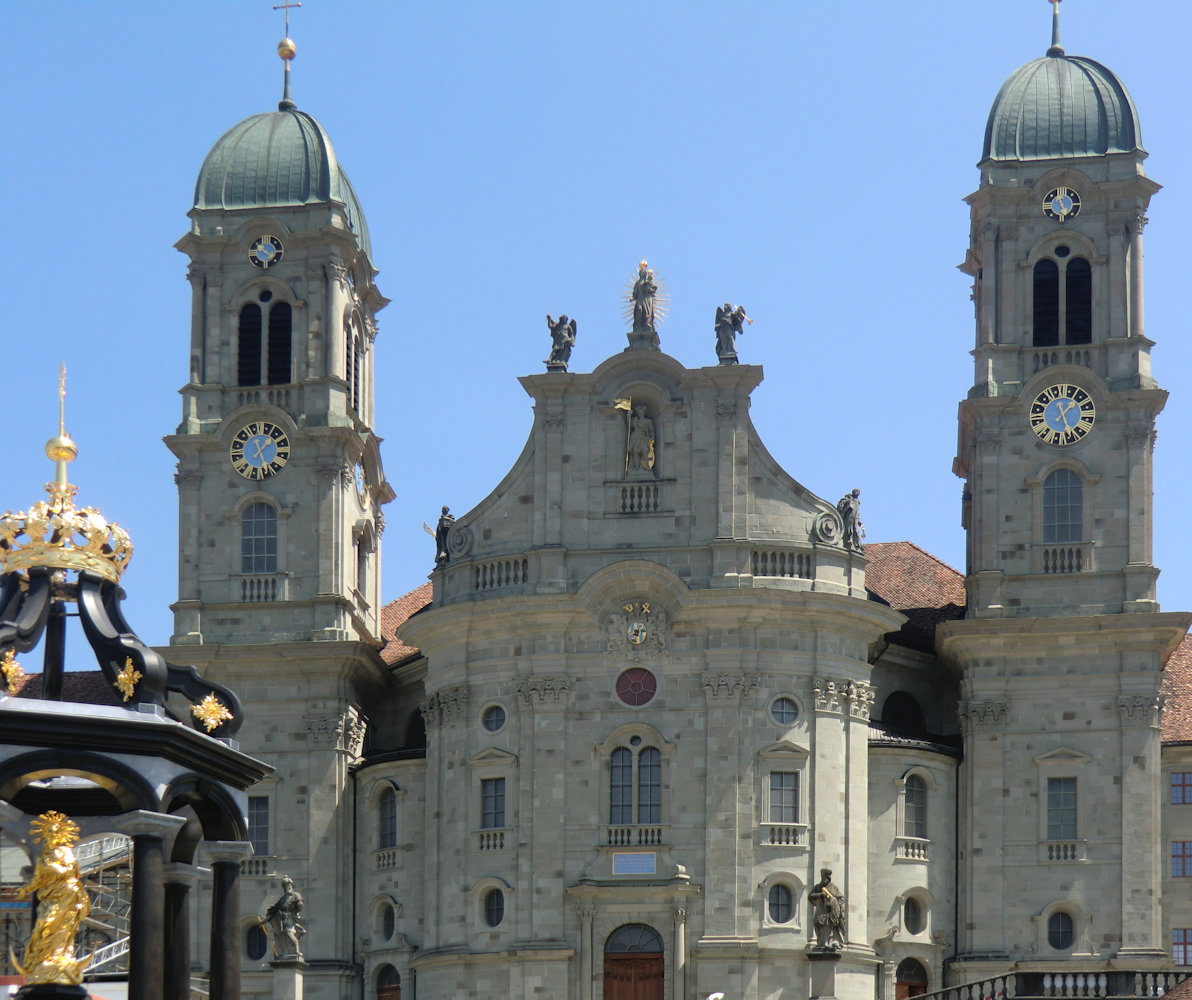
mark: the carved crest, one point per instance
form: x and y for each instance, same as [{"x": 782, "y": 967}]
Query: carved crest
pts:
[{"x": 635, "y": 629}]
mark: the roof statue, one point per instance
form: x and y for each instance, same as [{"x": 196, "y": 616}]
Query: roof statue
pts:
[
  {"x": 562, "y": 338},
  {"x": 729, "y": 323},
  {"x": 646, "y": 304}
]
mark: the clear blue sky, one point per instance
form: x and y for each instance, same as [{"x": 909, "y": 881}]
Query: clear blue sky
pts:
[{"x": 807, "y": 159}]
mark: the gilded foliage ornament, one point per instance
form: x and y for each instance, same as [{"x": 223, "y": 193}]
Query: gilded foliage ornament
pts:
[
  {"x": 126, "y": 680},
  {"x": 211, "y": 712},
  {"x": 13, "y": 672}
]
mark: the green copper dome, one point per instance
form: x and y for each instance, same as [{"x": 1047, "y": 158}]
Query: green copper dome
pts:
[
  {"x": 1061, "y": 106},
  {"x": 274, "y": 160}
]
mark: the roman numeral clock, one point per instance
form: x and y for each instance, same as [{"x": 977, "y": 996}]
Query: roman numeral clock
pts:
[
  {"x": 1062, "y": 414},
  {"x": 259, "y": 450}
]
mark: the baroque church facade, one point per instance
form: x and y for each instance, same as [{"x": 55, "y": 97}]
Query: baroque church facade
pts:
[{"x": 659, "y": 725}]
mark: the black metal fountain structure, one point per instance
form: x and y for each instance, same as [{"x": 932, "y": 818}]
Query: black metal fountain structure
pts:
[{"x": 156, "y": 760}]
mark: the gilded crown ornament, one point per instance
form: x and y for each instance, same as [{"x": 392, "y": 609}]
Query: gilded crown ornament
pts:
[{"x": 54, "y": 533}]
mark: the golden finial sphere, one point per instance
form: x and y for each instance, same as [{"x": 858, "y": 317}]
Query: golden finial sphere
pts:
[
  {"x": 287, "y": 49},
  {"x": 61, "y": 449}
]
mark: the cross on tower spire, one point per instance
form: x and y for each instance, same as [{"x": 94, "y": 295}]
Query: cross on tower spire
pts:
[
  {"x": 286, "y": 49},
  {"x": 1056, "y": 48}
]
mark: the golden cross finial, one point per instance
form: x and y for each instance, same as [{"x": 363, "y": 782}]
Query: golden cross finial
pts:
[
  {"x": 287, "y": 5},
  {"x": 62, "y": 398}
]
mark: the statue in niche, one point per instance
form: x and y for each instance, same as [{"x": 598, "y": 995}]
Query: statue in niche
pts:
[
  {"x": 562, "y": 339},
  {"x": 640, "y": 453},
  {"x": 729, "y": 323},
  {"x": 849, "y": 507},
  {"x": 831, "y": 914},
  {"x": 442, "y": 529},
  {"x": 281, "y": 922}
]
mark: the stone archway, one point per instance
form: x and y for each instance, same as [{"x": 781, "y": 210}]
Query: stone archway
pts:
[
  {"x": 634, "y": 967},
  {"x": 910, "y": 980}
]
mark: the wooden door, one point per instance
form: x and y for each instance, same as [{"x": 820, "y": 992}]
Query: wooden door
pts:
[{"x": 634, "y": 977}]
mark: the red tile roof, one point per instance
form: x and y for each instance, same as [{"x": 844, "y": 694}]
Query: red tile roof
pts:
[
  {"x": 1177, "y": 686},
  {"x": 919, "y": 585},
  {"x": 87, "y": 687},
  {"x": 396, "y": 613}
]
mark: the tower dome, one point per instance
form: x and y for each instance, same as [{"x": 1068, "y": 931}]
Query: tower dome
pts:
[
  {"x": 278, "y": 159},
  {"x": 1061, "y": 106}
]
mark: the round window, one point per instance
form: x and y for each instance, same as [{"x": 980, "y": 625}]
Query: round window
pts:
[
  {"x": 784, "y": 711},
  {"x": 388, "y": 922},
  {"x": 912, "y": 916},
  {"x": 780, "y": 904},
  {"x": 1062, "y": 251},
  {"x": 1059, "y": 931},
  {"x": 493, "y": 718},
  {"x": 636, "y": 686},
  {"x": 256, "y": 942},
  {"x": 494, "y": 907}
]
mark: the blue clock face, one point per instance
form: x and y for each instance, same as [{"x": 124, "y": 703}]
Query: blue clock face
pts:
[
  {"x": 259, "y": 450},
  {"x": 265, "y": 252},
  {"x": 1062, "y": 414}
]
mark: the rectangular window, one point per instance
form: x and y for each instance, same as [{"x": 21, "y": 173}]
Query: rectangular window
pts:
[
  {"x": 1181, "y": 945},
  {"x": 492, "y": 803},
  {"x": 258, "y": 824},
  {"x": 1061, "y": 808},
  {"x": 1181, "y": 859},
  {"x": 784, "y": 797},
  {"x": 1181, "y": 788}
]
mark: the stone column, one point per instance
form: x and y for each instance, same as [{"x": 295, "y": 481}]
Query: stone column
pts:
[
  {"x": 179, "y": 879},
  {"x": 1141, "y": 919},
  {"x": 288, "y": 979},
  {"x": 1137, "y": 324},
  {"x": 680, "y": 990},
  {"x": 586, "y": 913},
  {"x": 859, "y": 698},
  {"x": 225, "y": 857},
  {"x": 152, "y": 836}
]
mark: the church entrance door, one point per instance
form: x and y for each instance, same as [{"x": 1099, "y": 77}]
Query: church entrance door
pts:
[
  {"x": 633, "y": 964},
  {"x": 633, "y": 977}
]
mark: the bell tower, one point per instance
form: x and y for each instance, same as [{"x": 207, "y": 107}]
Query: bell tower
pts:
[
  {"x": 1057, "y": 432},
  {"x": 279, "y": 471},
  {"x": 1062, "y": 647}
]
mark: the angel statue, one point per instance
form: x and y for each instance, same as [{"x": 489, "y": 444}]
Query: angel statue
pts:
[
  {"x": 562, "y": 339},
  {"x": 729, "y": 323},
  {"x": 62, "y": 905}
]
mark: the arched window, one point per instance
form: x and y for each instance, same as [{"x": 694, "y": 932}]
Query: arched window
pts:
[
  {"x": 910, "y": 979},
  {"x": 280, "y": 336},
  {"x": 915, "y": 808},
  {"x": 1047, "y": 303},
  {"x": 258, "y": 539},
  {"x": 901, "y": 711},
  {"x": 249, "y": 349},
  {"x": 630, "y": 939},
  {"x": 265, "y": 362},
  {"x": 1060, "y": 930},
  {"x": 1063, "y": 507},
  {"x": 353, "y": 361},
  {"x": 387, "y": 819},
  {"x": 1063, "y": 300},
  {"x": 631, "y": 769},
  {"x": 780, "y": 902},
  {"x": 388, "y": 983},
  {"x": 1078, "y": 302}
]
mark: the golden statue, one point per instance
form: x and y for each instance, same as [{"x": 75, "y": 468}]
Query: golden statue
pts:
[{"x": 62, "y": 905}]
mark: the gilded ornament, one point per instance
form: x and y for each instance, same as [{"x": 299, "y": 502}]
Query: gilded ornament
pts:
[
  {"x": 62, "y": 905},
  {"x": 126, "y": 680},
  {"x": 211, "y": 712},
  {"x": 13, "y": 673}
]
